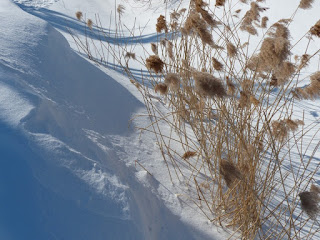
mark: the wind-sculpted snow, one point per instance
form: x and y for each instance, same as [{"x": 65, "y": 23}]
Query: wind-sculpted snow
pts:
[{"x": 62, "y": 174}]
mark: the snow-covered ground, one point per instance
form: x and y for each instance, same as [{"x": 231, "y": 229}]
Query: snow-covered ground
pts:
[{"x": 68, "y": 153}]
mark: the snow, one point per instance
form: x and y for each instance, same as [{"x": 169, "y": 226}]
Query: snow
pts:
[{"x": 72, "y": 165}]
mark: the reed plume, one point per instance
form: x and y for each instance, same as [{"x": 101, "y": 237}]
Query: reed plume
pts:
[
  {"x": 305, "y": 4},
  {"x": 79, "y": 15},
  {"x": 229, "y": 172},
  {"x": 154, "y": 63},
  {"x": 315, "y": 30},
  {"x": 161, "y": 24},
  {"x": 162, "y": 88},
  {"x": 208, "y": 86},
  {"x": 173, "y": 81},
  {"x": 310, "y": 203}
]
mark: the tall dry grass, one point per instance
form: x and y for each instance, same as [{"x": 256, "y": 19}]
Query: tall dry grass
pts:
[{"x": 230, "y": 132}]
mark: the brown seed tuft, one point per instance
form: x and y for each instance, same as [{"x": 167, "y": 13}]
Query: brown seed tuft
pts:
[
  {"x": 120, "y": 9},
  {"x": 315, "y": 189},
  {"x": 279, "y": 30},
  {"x": 305, "y": 4},
  {"x": 208, "y": 85},
  {"x": 315, "y": 30},
  {"x": 304, "y": 61},
  {"x": 216, "y": 64},
  {"x": 173, "y": 81},
  {"x": 135, "y": 83},
  {"x": 281, "y": 128},
  {"x": 220, "y": 2},
  {"x": 273, "y": 52},
  {"x": 284, "y": 72},
  {"x": 194, "y": 23},
  {"x": 315, "y": 78},
  {"x": 310, "y": 203},
  {"x": 231, "y": 50},
  {"x": 161, "y": 24},
  {"x": 231, "y": 86},
  {"x": 244, "y": 100},
  {"x": 79, "y": 15},
  {"x": 229, "y": 172},
  {"x": 162, "y": 88},
  {"x": 188, "y": 155},
  {"x": 264, "y": 22},
  {"x": 154, "y": 63},
  {"x": 154, "y": 48},
  {"x": 169, "y": 48},
  {"x": 254, "y": 101},
  {"x": 89, "y": 23},
  {"x": 130, "y": 55}
]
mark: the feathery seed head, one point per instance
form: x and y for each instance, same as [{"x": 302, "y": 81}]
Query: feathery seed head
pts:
[
  {"x": 130, "y": 55},
  {"x": 264, "y": 21},
  {"x": 229, "y": 172},
  {"x": 305, "y": 4},
  {"x": 315, "y": 189},
  {"x": 154, "y": 63},
  {"x": 220, "y": 2},
  {"x": 216, "y": 64},
  {"x": 173, "y": 81},
  {"x": 161, "y": 24},
  {"x": 208, "y": 85},
  {"x": 89, "y": 23},
  {"x": 154, "y": 48},
  {"x": 231, "y": 50},
  {"x": 162, "y": 88},
  {"x": 310, "y": 203},
  {"x": 79, "y": 15},
  {"x": 120, "y": 9},
  {"x": 188, "y": 155},
  {"x": 315, "y": 30}
]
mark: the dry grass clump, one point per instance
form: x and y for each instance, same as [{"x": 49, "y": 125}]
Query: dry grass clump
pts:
[
  {"x": 162, "y": 88},
  {"x": 208, "y": 86},
  {"x": 173, "y": 81},
  {"x": 315, "y": 30},
  {"x": 161, "y": 24},
  {"x": 305, "y": 4},
  {"x": 310, "y": 203},
  {"x": 154, "y": 63},
  {"x": 223, "y": 103}
]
